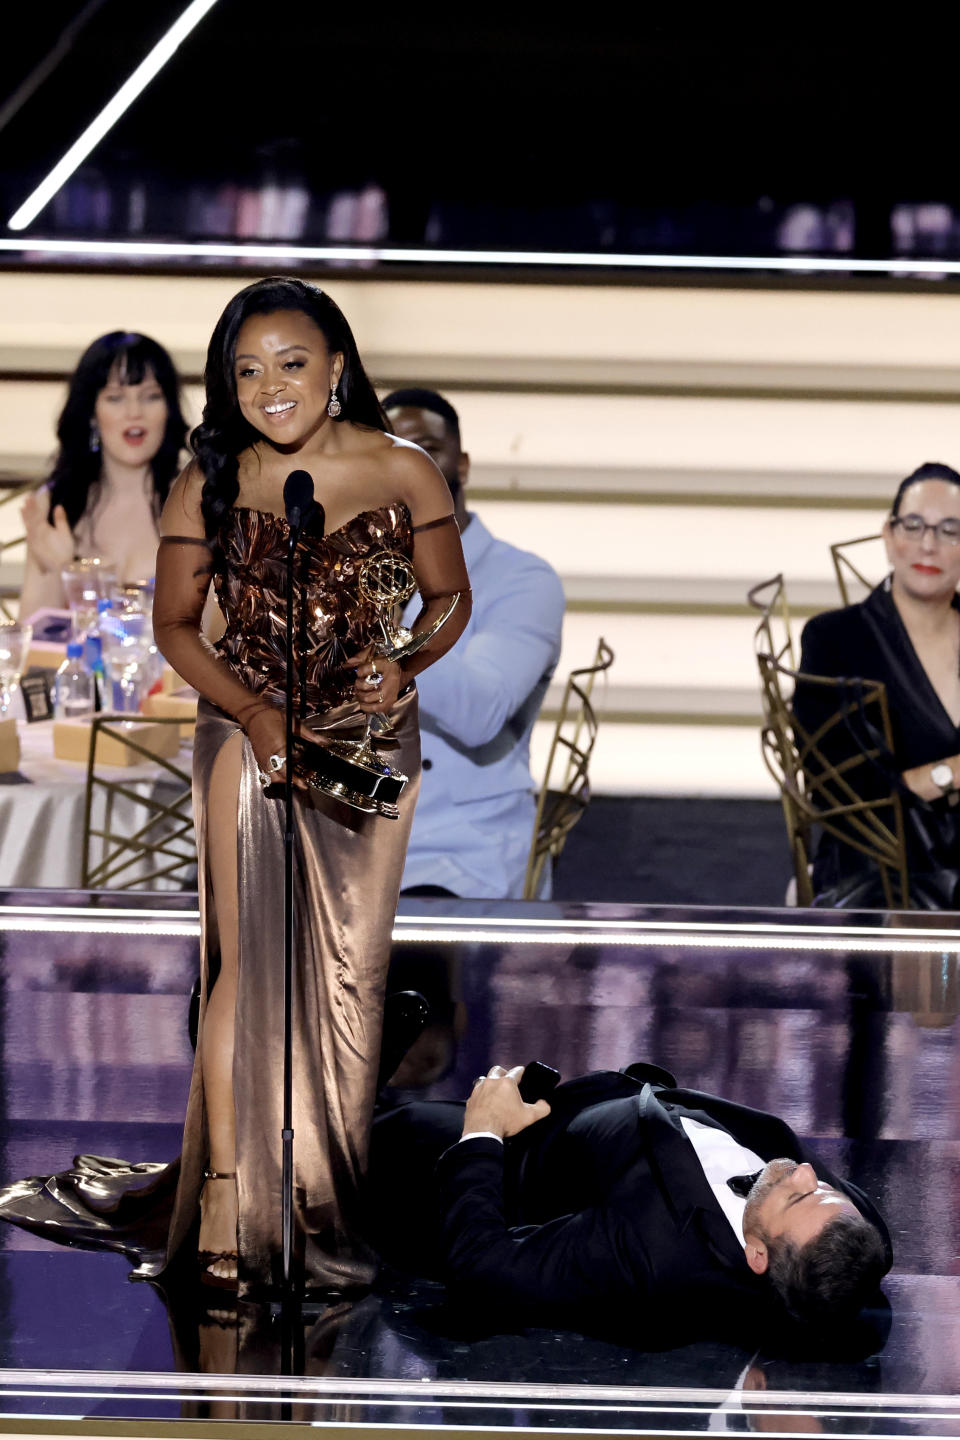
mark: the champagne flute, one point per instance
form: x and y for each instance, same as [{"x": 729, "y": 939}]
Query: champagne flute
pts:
[
  {"x": 14, "y": 649},
  {"x": 126, "y": 637},
  {"x": 85, "y": 583}
]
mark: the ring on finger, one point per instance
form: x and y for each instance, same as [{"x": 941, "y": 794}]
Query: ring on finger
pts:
[
  {"x": 276, "y": 762},
  {"x": 374, "y": 678},
  {"x": 265, "y": 780}
]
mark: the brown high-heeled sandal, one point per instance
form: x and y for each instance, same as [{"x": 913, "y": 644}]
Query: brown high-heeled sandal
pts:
[{"x": 206, "y": 1258}]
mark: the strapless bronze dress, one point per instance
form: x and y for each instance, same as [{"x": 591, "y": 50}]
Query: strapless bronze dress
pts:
[{"x": 348, "y": 868}]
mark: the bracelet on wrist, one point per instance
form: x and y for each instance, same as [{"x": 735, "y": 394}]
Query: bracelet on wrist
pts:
[{"x": 248, "y": 713}]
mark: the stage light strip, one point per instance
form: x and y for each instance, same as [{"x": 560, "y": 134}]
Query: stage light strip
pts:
[
  {"x": 487, "y": 1395},
  {"x": 407, "y": 255},
  {"x": 148, "y": 68},
  {"x": 740, "y": 927},
  {"x": 569, "y": 1412},
  {"x": 188, "y": 920},
  {"x": 31, "y": 1381},
  {"x": 878, "y": 942},
  {"x": 581, "y": 1431},
  {"x": 882, "y": 944},
  {"x": 571, "y": 1428},
  {"x": 567, "y": 1400},
  {"x": 106, "y": 912},
  {"x": 751, "y": 935},
  {"x": 184, "y": 930}
]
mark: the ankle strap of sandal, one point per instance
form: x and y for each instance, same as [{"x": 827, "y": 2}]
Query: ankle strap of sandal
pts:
[{"x": 219, "y": 1174}]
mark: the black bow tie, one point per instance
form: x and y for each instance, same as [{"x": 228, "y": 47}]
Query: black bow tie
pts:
[{"x": 742, "y": 1184}]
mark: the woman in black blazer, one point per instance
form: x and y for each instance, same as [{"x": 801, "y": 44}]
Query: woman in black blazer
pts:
[{"x": 907, "y": 635}]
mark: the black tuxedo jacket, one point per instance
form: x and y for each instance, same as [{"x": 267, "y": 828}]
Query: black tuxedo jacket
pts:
[
  {"x": 603, "y": 1208},
  {"x": 869, "y": 640}
]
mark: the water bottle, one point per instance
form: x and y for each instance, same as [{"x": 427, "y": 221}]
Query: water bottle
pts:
[
  {"x": 93, "y": 657},
  {"x": 73, "y": 686}
]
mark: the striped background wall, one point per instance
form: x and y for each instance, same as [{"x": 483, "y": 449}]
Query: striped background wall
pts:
[{"x": 665, "y": 448}]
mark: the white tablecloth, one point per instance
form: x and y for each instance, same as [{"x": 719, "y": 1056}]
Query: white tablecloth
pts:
[{"x": 41, "y": 822}]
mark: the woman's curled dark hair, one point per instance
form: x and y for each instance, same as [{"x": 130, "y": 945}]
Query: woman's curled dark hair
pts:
[
  {"x": 223, "y": 432},
  {"x": 128, "y": 358},
  {"x": 929, "y": 470}
]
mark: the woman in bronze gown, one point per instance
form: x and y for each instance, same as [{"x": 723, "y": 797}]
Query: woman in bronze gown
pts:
[{"x": 286, "y": 390}]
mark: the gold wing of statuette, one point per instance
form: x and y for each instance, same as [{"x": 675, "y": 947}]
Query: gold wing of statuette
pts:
[
  {"x": 386, "y": 579},
  {"x": 408, "y": 644}
]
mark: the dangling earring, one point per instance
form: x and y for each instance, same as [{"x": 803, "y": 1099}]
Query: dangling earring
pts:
[
  {"x": 334, "y": 407},
  {"x": 94, "y": 436}
]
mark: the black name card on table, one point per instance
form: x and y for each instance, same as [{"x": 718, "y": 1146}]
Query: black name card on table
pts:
[{"x": 37, "y": 701}]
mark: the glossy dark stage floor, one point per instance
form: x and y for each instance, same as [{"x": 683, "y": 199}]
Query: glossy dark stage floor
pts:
[{"x": 845, "y": 1025}]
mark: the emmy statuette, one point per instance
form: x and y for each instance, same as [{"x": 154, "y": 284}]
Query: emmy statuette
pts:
[{"x": 350, "y": 770}]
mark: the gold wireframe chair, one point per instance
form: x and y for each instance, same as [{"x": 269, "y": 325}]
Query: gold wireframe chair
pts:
[
  {"x": 559, "y": 809},
  {"x": 160, "y": 843},
  {"x": 814, "y": 790},
  {"x": 848, "y": 573}
]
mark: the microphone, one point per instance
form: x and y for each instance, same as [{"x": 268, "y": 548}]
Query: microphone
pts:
[
  {"x": 297, "y": 497},
  {"x": 302, "y": 511},
  {"x": 315, "y": 520}
]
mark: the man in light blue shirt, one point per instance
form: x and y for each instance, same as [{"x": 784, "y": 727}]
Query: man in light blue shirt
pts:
[{"x": 474, "y": 819}]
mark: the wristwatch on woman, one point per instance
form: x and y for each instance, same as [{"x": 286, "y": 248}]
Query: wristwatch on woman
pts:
[{"x": 942, "y": 776}]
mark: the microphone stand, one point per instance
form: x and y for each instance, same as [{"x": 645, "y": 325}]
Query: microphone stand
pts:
[
  {"x": 287, "y": 1131},
  {"x": 300, "y": 509}
]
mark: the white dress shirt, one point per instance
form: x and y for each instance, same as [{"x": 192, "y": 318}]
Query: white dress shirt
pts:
[{"x": 721, "y": 1158}]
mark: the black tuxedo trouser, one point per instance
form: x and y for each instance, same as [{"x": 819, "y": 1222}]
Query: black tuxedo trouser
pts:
[{"x": 402, "y": 1193}]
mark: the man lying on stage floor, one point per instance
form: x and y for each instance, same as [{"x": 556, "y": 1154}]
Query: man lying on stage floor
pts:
[{"x": 621, "y": 1197}]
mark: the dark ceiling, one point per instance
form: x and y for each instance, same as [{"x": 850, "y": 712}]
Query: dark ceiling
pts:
[{"x": 527, "y": 112}]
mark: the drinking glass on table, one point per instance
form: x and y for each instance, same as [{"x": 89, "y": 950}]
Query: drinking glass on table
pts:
[
  {"x": 138, "y": 595},
  {"x": 14, "y": 649},
  {"x": 85, "y": 584},
  {"x": 126, "y": 637}
]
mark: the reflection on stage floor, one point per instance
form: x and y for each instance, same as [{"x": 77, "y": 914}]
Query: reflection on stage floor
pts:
[{"x": 846, "y": 1025}]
